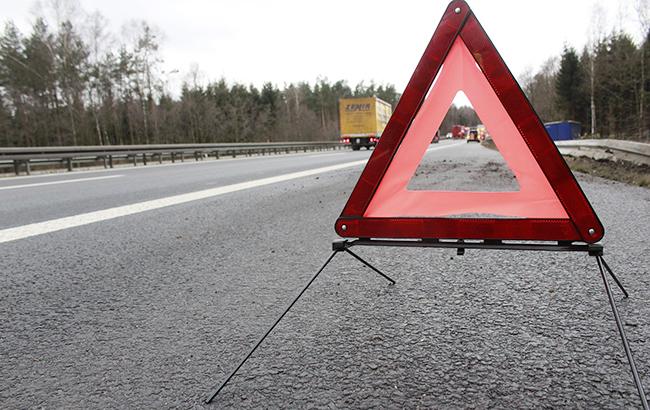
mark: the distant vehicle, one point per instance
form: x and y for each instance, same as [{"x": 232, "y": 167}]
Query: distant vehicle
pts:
[
  {"x": 448, "y": 135},
  {"x": 473, "y": 135},
  {"x": 436, "y": 137},
  {"x": 362, "y": 120},
  {"x": 457, "y": 132},
  {"x": 482, "y": 132}
]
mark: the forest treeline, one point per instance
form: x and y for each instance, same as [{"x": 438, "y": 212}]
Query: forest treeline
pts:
[
  {"x": 65, "y": 83},
  {"x": 61, "y": 86},
  {"x": 605, "y": 87}
]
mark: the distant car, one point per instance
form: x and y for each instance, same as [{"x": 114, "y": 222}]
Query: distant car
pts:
[
  {"x": 458, "y": 132},
  {"x": 436, "y": 138},
  {"x": 448, "y": 136},
  {"x": 472, "y": 135}
]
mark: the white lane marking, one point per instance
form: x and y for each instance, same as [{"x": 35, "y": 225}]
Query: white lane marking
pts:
[
  {"x": 40, "y": 228},
  {"x": 65, "y": 181},
  {"x": 442, "y": 147},
  {"x": 331, "y": 154}
]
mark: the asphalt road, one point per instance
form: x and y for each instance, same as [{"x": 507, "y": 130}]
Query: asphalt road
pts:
[{"x": 154, "y": 306}]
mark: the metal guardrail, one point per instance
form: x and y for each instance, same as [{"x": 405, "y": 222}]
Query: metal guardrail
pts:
[
  {"x": 69, "y": 156},
  {"x": 24, "y": 158},
  {"x": 609, "y": 149}
]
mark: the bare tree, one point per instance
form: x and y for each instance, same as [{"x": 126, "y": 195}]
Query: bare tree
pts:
[
  {"x": 594, "y": 36},
  {"x": 643, "y": 13},
  {"x": 98, "y": 40},
  {"x": 58, "y": 12},
  {"x": 145, "y": 41}
]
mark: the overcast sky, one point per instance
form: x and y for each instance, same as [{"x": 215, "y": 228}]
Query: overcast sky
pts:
[{"x": 254, "y": 41}]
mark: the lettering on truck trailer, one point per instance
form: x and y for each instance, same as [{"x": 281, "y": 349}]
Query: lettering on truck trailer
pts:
[{"x": 357, "y": 107}]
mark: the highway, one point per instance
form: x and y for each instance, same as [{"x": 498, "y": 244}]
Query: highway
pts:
[{"x": 143, "y": 287}]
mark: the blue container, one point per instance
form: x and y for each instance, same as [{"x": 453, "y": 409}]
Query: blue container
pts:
[{"x": 563, "y": 130}]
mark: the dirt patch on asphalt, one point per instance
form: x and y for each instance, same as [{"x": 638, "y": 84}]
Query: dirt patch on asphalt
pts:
[
  {"x": 621, "y": 171},
  {"x": 469, "y": 175}
]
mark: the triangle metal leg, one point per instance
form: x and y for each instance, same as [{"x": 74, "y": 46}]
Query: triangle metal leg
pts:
[
  {"x": 621, "y": 331},
  {"x": 250, "y": 353},
  {"x": 357, "y": 257},
  {"x": 343, "y": 246},
  {"x": 620, "y": 285}
]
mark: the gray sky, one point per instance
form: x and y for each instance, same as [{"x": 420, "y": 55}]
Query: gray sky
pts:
[{"x": 253, "y": 41}]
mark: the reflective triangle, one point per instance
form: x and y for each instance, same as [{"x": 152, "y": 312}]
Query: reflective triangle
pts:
[{"x": 549, "y": 205}]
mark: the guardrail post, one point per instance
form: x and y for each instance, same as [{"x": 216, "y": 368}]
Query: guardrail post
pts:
[
  {"x": 160, "y": 157},
  {"x": 69, "y": 161},
  {"x": 110, "y": 161},
  {"x": 135, "y": 160},
  {"x": 28, "y": 168},
  {"x": 144, "y": 159},
  {"x": 173, "y": 154},
  {"x": 216, "y": 155},
  {"x": 17, "y": 167},
  {"x": 104, "y": 161}
]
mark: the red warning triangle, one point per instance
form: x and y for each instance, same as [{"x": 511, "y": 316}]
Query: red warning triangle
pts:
[{"x": 550, "y": 206}]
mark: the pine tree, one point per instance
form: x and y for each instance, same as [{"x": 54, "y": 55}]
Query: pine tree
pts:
[{"x": 569, "y": 86}]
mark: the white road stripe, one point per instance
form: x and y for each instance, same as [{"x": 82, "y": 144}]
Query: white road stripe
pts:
[
  {"x": 40, "y": 228},
  {"x": 65, "y": 181},
  {"x": 331, "y": 154}
]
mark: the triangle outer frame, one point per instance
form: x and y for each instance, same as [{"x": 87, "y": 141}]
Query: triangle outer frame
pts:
[{"x": 583, "y": 223}]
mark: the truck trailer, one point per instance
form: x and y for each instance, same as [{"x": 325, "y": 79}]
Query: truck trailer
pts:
[{"x": 362, "y": 120}]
